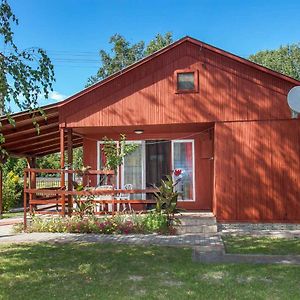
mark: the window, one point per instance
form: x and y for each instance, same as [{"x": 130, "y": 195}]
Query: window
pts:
[
  {"x": 186, "y": 81},
  {"x": 183, "y": 159},
  {"x": 151, "y": 162}
]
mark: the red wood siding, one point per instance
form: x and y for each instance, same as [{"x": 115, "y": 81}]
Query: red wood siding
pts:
[
  {"x": 204, "y": 170},
  {"x": 255, "y": 173},
  {"x": 257, "y": 167},
  {"x": 203, "y": 177},
  {"x": 228, "y": 90}
]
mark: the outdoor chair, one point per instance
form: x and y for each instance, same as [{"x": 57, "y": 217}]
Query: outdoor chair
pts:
[
  {"x": 101, "y": 206},
  {"x": 123, "y": 196}
]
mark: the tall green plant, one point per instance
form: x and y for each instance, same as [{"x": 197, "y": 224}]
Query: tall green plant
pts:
[
  {"x": 167, "y": 196},
  {"x": 116, "y": 151},
  {"x": 84, "y": 204},
  {"x": 12, "y": 190}
]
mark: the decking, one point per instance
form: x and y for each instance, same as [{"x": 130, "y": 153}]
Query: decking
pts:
[{"x": 59, "y": 200}]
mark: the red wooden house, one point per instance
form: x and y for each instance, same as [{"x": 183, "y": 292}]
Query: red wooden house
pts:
[{"x": 220, "y": 118}]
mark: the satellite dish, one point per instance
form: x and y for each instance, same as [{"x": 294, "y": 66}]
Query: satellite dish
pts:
[{"x": 293, "y": 99}]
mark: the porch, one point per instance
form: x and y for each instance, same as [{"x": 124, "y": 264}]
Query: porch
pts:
[
  {"x": 65, "y": 199},
  {"x": 161, "y": 149}
]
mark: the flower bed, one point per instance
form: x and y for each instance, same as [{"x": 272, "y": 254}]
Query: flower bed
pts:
[{"x": 118, "y": 224}]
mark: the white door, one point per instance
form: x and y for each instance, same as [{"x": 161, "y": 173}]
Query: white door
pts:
[{"x": 133, "y": 169}]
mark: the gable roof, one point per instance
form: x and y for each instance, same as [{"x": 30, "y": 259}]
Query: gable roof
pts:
[
  {"x": 171, "y": 46},
  {"x": 23, "y": 140}
]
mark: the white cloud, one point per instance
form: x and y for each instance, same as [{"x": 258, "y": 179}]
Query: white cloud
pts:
[{"x": 57, "y": 96}]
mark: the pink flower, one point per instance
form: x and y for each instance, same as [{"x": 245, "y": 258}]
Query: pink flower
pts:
[{"x": 177, "y": 172}]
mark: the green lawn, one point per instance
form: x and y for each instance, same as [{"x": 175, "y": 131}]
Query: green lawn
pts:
[
  {"x": 95, "y": 271},
  {"x": 261, "y": 245},
  {"x": 8, "y": 215}
]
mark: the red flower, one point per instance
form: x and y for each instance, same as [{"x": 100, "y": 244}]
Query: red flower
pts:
[{"x": 177, "y": 172}]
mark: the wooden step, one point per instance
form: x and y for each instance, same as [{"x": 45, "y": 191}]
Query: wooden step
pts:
[
  {"x": 199, "y": 222},
  {"x": 196, "y": 229}
]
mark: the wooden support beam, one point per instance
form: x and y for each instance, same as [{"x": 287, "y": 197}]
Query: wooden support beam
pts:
[
  {"x": 55, "y": 150},
  {"x": 70, "y": 164},
  {"x": 55, "y": 143},
  {"x": 39, "y": 144},
  {"x": 31, "y": 161},
  {"x": 47, "y": 145},
  {"x": 24, "y": 116},
  {"x": 25, "y": 200},
  {"x": 1, "y": 193},
  {"x": 51, "y": 133},
  {"x": 14, "y": 137},
  {"x": 62, "y": 166},
  {"x": 29, "y": 126}
]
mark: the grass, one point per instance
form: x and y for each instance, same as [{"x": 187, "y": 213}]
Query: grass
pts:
[
  {"x": 105, "y": 271},
  {"x": 8, "y": 215},
  {"x": 261, "y": 245}
]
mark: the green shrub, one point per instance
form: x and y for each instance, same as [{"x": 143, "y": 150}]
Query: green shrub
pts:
[
  {"x": 12, "y": 191},
  {"x": 155, "y": 222},
  {"x": 118, "y": 224}
]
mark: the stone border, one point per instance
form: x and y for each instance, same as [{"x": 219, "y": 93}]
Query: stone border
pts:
[
  {"x": 222, "y": 257},
  {"x": 257, "y": 226}
]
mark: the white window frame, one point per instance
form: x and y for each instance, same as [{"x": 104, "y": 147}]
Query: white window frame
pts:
[
  {"x": 143, "y": 143},
  {"x": 193, "y": 162}
]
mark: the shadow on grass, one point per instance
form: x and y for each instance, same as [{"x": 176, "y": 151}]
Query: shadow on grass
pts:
[
  {"x": 97, "y": 271},
  {"x": 261, "y": 245}
]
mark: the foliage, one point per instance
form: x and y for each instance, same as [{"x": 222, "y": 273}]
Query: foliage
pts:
[
  {"x": 25, "y": 75},
  {"x": 12, "y": 190},
  {"x": 167, "y": 196},
  {"x": 125, "y": 54},
  {"x": 160, "y": 41},
  {"x": 285, "y": 60},
  {"x": 15, "y": 165},
  {"x": 78, "y": 158},
  {"x": 116, "y": 151},
  {"x": 155, "y": 222},
  {"x": 117, "y": 224},
  {"x": 50, "y": 161},
  {"x": 84, "y": 204}
]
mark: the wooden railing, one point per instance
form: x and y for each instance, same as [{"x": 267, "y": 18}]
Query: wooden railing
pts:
[{"x": 59, "y": 200}]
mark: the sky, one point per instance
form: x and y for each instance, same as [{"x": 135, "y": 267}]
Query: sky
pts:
[{"x": 73, "y": 31}]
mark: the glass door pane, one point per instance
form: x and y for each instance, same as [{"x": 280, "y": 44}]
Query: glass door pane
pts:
[
  {"x": 183, "y": 159},
  {"x": 133, "y": 169},
  {"x": 158, "y": 162}
]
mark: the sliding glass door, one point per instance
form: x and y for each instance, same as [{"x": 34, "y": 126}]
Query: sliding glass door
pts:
[
  {"x": 152, "y": 161},
  {"x": 133, "y": 169},
  {"x": 158, "y": 161},
  {"x": 183, "y": 159}
]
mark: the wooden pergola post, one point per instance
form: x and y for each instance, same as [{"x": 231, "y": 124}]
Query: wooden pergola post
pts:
[
  {"x": 1, "y": 193},
  {"x": 31, "y": 162},
  {"x": 25, "y": 200},
  {"x": 62, "y": 166},
  {"x": 70, "y": 164}
]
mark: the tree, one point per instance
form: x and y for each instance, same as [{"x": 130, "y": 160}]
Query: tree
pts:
[
  {"x": 124, "y": 54},
  {"x": 25, "y": 75},
  {"x": 285, "y": 60},
  {"x": 160, "y": 41}
]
